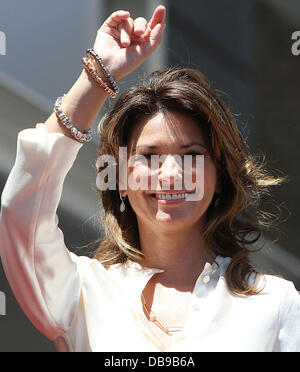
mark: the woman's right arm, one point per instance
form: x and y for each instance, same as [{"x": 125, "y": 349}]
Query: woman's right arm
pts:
[
  {"x": 43, "y": 274},
  {"x": 123, "y": 44}
]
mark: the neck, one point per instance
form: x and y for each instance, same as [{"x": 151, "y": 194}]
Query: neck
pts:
[{"x": 181, "y": 254}]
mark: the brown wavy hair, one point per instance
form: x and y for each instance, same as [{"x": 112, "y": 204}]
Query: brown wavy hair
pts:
[{"x": 231, "y": 229}]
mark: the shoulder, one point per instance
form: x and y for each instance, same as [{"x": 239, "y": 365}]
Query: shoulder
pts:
[
  {"x": 276, "y": 286},
  {"x": 284, "y": 293},
  {"x": 288, "y": 320},
  {"x": 86, "y": 265}
]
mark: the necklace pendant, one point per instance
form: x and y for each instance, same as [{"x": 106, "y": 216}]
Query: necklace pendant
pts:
[{"x": 153, "y": 318}]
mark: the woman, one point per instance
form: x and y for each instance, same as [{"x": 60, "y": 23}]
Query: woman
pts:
[{"x": 172, "y": 273}]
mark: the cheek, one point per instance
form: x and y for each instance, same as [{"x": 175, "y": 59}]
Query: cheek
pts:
[
  {"x": 137, "y": 182},
  {"x": 138, "y": 177},
  {"x": 210, "y": 179},
  {"x": 203, "y": 175}
]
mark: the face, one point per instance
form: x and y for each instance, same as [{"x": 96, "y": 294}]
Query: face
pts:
[{"x": 172, "y": 135}]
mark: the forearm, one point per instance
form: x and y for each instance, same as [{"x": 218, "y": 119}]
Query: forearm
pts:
[{"x": 81, "y": 104}]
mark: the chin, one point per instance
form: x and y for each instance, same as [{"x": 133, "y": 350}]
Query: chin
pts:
[{"x": 178, "y": 219}]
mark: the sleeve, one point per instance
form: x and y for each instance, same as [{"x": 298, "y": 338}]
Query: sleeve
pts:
[
  {"x": 288, "y": 333},
  {"x": 43, "y": 274}
]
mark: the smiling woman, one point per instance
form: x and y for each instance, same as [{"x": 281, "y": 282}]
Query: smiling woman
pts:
[{"x": 175, "y": 112}]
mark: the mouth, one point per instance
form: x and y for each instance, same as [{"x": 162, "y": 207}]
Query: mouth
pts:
[{"x": 170, "y": 197}]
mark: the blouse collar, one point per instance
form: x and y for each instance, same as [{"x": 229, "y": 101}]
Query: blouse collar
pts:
[
  {"x": 140, "y": 275},
  {"x": 219, "y": 263}
]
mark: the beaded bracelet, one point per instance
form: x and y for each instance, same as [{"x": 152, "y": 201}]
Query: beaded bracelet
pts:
[
  {"x": 85, "y": 137},
  {"x": 93, "y": 72},
  {"x": 91, "y": 52}
]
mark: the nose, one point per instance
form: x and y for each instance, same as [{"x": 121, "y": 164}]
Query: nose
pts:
[{"x": 170, "y": 172}]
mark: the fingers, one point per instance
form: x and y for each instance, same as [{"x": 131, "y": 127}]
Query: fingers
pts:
[
  {"x": 140, "y": 26},
  {"x": 134, "y": 31},
  {"x": 153, "y": 41},
  {"x": 157, "y": 18},
  {"x": 156, "y": 33},
  {"x": 116, "y": 18},
  {"x": 126, "y": 29},
  {"x": 131, "y": 29}
]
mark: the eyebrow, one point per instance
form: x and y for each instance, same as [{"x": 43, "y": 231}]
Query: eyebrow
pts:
[{"x": 185, "y": 146}]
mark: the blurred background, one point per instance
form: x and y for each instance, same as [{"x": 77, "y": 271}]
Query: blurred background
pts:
[{"x": 243, "y": 47}]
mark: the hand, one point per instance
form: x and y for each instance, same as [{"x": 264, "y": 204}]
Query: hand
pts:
[{"x": 124, "y": 44}]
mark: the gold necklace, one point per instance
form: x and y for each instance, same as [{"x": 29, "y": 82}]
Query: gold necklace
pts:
[{"x": 153, "y": 319}]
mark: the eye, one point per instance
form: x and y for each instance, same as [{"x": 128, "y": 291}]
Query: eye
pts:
[
  {"x": 147, "y": 155},
  {"x": 142, "y": 158},
  {"x": 194, "y": 153}
]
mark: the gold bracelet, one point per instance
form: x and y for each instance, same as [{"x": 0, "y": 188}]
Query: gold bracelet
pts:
[
  {"x": 104, "y": 70},
  {"x": 93, "y": 73}
]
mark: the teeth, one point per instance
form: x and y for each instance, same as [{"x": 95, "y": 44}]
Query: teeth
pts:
[{"x": 171, "y": 196}]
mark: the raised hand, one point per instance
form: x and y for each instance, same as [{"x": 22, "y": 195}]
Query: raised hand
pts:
[{"x": 124, "y": 44}]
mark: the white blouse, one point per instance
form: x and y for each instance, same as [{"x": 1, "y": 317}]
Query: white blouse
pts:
[{"x": 80, "y": 305}]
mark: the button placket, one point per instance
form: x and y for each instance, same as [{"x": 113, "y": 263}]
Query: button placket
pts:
[
  {"x": 196, "y": 306},
  {"x": 202, "y": 284},
  {"x": 206, "y": 279},
  {"x": 200, "y": 288}
]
